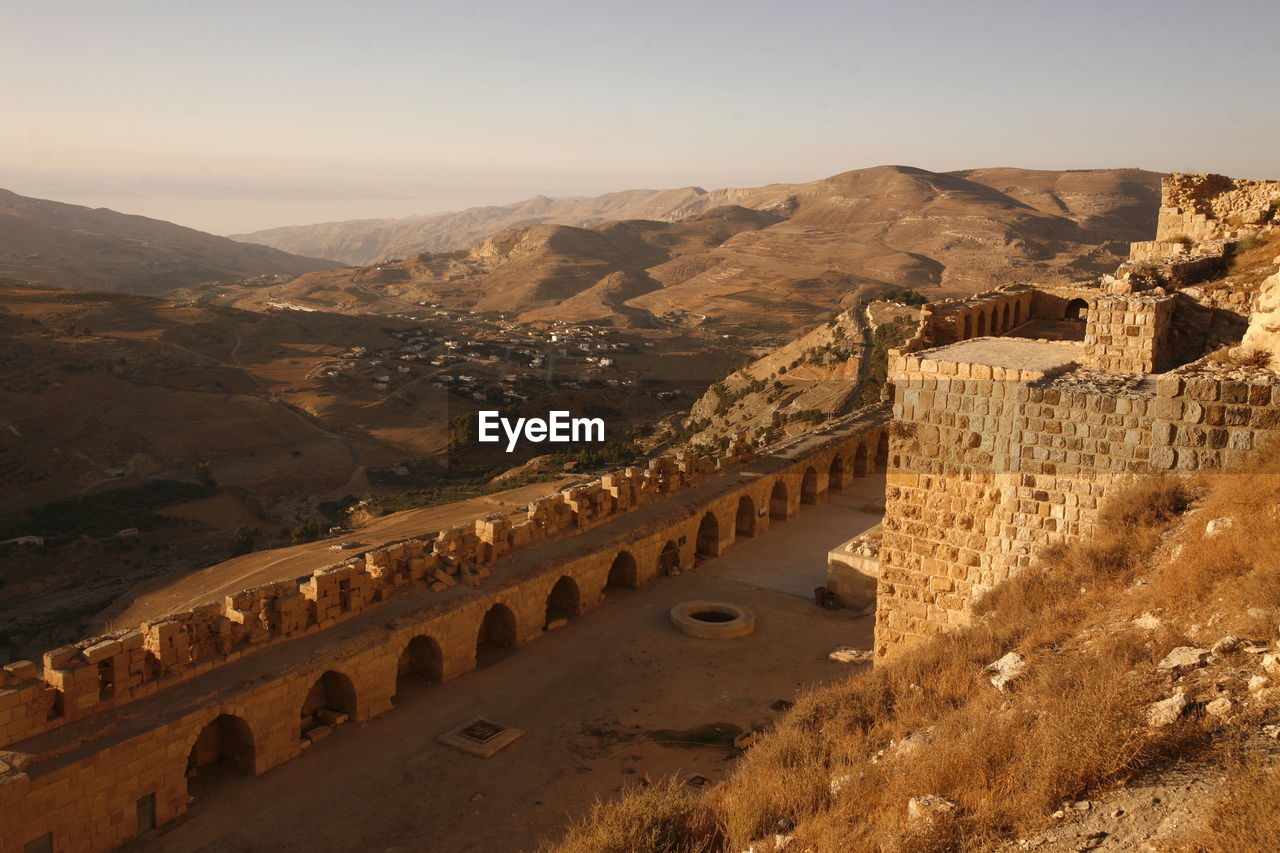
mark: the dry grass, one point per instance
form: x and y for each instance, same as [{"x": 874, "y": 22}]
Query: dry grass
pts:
[
  {"x": 662, "y": 818},
  {"x": 929, "y": 723},
  {"x": 1244, "y": 817}
]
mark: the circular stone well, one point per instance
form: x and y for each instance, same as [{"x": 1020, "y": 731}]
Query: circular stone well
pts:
[{"x": 713, "y": 620}]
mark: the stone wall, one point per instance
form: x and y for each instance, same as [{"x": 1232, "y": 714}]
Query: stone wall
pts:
[
  {"x": 988, "y": 465},
  {"x": 115, "y": 720},
  {"x": 1202, "y": 207},
  {"x": 1129, "y": 332}
]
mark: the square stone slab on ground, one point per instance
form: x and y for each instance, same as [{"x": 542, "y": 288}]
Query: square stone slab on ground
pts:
[{"x": 481, "y": 737}]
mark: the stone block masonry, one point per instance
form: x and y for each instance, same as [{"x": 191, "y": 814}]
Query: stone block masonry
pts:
[
  {"x": 990, "y": 463},
  {"x": 111, "y": 729},
  {"x": 1203, "y": 207}
]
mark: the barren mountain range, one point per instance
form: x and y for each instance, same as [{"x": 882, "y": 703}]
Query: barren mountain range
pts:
[
  {"x": 71, "y": 246},
  {"x": 787, "y": 253}
]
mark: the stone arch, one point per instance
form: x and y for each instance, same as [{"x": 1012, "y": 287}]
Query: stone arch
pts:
[
  {"x": 779, "y": 503},
  {"x": 744, "y": 523},
  {"x": 669, "y": 559},
  {"x": 224, "y": 748},
  {"x": 965, "y": 331},
  {"x": 809, "y": 486},
  {"x": 1017, "y": 313},
  {"x": 882, "y": 452},
  {"x": 331, "y": 695},
  {"x": 861, "y": 461},
  {"x": 835, "y": 473},
  {"x": 1077, "y": 309},
  {"x": 982, "y": 324},
  {"x": 1004, "y": 317},
  {"x": 708, "y": 542},
  {"x": 421, "y": 663},
  {"x": 497, "y": 635},
  {"x": 564, "y": 601},
  {"x": 623, "y": 571}
]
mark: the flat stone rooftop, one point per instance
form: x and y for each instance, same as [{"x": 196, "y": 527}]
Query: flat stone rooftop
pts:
[{"x": 1020, "y": 353}]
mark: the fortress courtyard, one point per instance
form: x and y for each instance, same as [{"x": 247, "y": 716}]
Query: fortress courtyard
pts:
[{"x": 600, "y": 702}]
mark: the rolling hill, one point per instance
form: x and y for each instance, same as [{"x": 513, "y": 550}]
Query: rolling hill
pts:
[
  {"x": 71, "y": 246},
  {"x": 778, "y": 258}
]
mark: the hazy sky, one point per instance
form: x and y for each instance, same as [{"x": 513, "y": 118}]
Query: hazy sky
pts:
[{"x": 233, "y": 116}]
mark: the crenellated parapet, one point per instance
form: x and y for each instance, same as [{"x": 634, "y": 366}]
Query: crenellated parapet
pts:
[{"x": 261, "y": 675}]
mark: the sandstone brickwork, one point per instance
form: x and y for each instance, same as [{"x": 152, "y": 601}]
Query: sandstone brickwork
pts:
[
  {"x": 256, "y": 678},
  {"x": 1202, "y": 207},
  {"x": 990, "y": 462}
]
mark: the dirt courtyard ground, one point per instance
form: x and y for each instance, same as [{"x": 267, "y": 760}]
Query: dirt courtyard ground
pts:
[{"x": 593, "y": 699}]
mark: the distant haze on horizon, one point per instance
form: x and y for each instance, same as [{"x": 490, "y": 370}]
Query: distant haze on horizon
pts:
[{"x": 237, "y": 116}]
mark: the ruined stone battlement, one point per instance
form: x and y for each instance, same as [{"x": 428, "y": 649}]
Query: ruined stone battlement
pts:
[
  {"x": 1204, "y": 207},
  {"x": 1002, "y": 446},
  {"x": 114, "y": 721},
  {"x": 113, "y": 670}
]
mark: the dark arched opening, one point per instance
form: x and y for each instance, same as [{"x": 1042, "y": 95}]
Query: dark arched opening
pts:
[
  {"x": 778, "y": 500},
  {"x": 1076, "y": 310},
  {"x": 623, "y": 572},
  {"x": 421, "y": 664},
  {"x": 835, "y": 473},
  {"x": 964, "y": 327},
  {"x": 982, "y": 324},
  {"x": 669, "y": 559},
  {"x": 860, "y": 460},
  {"x": 330, "y": 701},
  {"x": 1004, "y": 317},
  {"x": 882, "y": 453},
  {"x": 708, "y": 536},
  {"x": 1017, "y": 313},
  {"x": 745, "y": 520},
  {"x": 497, "y": 635},
  {"x": 223, "y": 750},
  {"x": 809, "y": 487},
  {"x": 563, "y": 601}
]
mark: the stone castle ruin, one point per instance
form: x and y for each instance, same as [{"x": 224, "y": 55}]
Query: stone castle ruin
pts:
[
  {"x": 101, "y": 740},
  {"x": 1015, "y": 413},
  {"x": 1018, "y": 412}
]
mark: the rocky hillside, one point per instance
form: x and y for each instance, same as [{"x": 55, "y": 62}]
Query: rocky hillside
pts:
[
  {"x": 782, "y": 257},
  {"x": 539, "y": 272},
  {"x": 66, "y": 245},
  {"x": 827, "y": 372},
  {"x": 370, "y": 241},
  {"x": 1123, "y": 696}
]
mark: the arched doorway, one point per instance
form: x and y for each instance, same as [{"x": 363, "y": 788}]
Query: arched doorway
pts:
[
  {"x": 835, "y": 474},
  {"x": 421, "y": 664},
  {"x": 669, "y": 559},
  {"x": 563, "y": 601},
  {"x": 860, "y": 460},
  {"x": 778, "y": 501},
  {"x": 964, "y": 327},
  {"x": 982, "y": 324},
  {"x": 708, "y": 536},
  {"x": 497, "y": 635},
  {"x": 1017, "y": 313},
  {"x": 745, "y": 520},
  {"x": 1004, "y": 317},
  {"x": 809, "y": 487},
  {"x": 223, "y": 750},
  {"x": 331, "y": 699},
  {"x": 882, "y": 453},
  {"x": 623, "y": 572},
  {"x": 1076, "y": 310}
]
